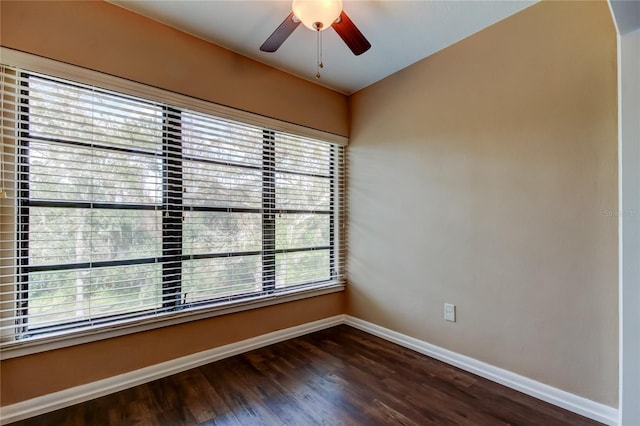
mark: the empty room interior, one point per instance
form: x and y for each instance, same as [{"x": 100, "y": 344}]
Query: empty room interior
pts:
[{"x": 172, "y": 204}]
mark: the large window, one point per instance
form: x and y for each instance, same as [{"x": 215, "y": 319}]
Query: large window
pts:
[{"x": 125, "y": 208}]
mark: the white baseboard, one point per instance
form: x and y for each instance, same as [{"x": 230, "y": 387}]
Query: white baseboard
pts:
[
  {"x": 67, "y": 397},
  {"x": 78, "y": 394},
  {"x": 585, "y": 407}
]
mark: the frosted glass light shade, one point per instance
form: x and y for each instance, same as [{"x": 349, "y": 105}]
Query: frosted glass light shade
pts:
[{"x": 311, "y": 11}]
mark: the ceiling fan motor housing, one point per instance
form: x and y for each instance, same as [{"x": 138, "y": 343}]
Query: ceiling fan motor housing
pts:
[{"x": 338, "y": 20}]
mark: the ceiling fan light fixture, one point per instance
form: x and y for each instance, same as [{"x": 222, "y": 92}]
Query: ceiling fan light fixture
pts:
[{"x": 317, "y": 14}]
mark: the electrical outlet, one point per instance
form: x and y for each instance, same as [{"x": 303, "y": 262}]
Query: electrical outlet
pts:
[{"x": 450, "y": 312}]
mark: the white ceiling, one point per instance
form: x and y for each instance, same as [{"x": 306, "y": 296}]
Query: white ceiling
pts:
[{"x": 400, "y": 32}]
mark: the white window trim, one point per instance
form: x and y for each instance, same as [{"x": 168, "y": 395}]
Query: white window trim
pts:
[
  {"x": 94, "y": 334},
  {"x": 82, "y": 75},
  {"x": 78, "y": 74}
]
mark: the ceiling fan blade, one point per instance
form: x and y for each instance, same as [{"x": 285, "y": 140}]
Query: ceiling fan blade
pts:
[
  {"x": 281, "y": 33},
  {"x": 351, "y": 35}
]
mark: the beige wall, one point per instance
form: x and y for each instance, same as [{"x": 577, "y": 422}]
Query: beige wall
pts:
[
  {"x": 109, "y": 39},
  {"x": 481, "y": 176}
]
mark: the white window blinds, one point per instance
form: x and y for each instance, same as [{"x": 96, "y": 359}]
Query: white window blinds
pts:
[{"x": 116, "y": 208}]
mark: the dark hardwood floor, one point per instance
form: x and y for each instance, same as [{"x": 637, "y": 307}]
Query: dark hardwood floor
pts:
[{"x": 339, "y": 376}]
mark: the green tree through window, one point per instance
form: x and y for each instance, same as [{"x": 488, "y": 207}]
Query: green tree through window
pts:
[{"x": 129, "y": 208}]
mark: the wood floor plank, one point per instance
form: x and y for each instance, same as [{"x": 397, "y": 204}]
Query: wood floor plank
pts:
[
  {"x": 296, "y": 383},
  {"x": 243, "y": 400},
  {"x": 338, "y": 376}
]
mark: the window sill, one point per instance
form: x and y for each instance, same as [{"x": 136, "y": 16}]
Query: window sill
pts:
[{"x": 51, "y": 342}]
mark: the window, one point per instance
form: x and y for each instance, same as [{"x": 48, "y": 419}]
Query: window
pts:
[{"x": 125, "y": 209}]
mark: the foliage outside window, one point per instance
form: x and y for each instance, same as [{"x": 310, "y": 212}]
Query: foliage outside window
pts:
[{"x": 125, "y": 209}]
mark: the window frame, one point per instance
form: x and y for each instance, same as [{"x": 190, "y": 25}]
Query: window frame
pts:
[{"x": 193, "y": 310}]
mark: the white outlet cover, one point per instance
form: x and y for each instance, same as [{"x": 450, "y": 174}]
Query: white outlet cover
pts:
[{"x": 450, "y": 312}]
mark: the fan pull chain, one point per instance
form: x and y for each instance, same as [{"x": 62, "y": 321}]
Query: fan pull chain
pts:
[{"x": 319, "y": 55}]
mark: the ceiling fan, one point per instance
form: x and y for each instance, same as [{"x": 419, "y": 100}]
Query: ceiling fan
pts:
[{"x": 318, "y": 15}]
